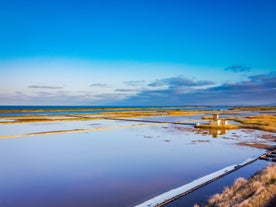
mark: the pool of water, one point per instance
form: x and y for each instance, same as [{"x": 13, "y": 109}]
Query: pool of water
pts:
[
  {"x": 110, "y": 167},
  {"x": 202, "y": 195},
  {"x": 14, "y": 129}
]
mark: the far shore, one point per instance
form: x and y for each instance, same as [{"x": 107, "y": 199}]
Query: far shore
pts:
[
  {"x": 242, "y": 119},
  {"x": 261, "y": 121}
]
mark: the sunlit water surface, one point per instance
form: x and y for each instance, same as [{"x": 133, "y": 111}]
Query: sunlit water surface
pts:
[{"x": 112, "y": 167}]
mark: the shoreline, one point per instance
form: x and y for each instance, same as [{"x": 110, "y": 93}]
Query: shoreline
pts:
[
  {"x": 258, "y": 190},
  {"x": 265, "y": 123},
  {"x": 74, "y": 131},
  {"x": 174, "y": 194},
  {"x": 241, "y": 120}
]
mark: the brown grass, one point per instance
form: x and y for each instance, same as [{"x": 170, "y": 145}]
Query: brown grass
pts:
[
  {"x": 262, "y": 122},
  {"x": 258, "y": 191},
  {"x": 255, "y": 108},
  {"x": 102, "y": 115},
  {"x": 226, "y": 127}
]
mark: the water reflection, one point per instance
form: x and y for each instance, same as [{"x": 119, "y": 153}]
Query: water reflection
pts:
[
  {"x": 216, "y": 132},
  {"x": 116, "y": 167}
]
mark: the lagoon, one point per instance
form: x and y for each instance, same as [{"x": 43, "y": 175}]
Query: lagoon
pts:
[{"x": 113, "y": 166}]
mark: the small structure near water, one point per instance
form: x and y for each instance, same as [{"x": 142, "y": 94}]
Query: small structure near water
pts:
[{"x": 216, "y": 121}]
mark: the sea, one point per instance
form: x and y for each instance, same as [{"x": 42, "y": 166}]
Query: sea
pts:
[{"x": 55, "y": 110}]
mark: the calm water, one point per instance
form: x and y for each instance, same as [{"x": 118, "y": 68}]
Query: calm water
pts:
[
  {"x": 110, "y": 167},
  {"x": 202, "y": 195}
]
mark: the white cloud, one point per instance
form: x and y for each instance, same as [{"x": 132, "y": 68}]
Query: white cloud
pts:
[{"x": 94, "y": 82}]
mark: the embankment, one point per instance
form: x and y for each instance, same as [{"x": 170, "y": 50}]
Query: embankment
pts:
[{"x": 259, "y": 191}]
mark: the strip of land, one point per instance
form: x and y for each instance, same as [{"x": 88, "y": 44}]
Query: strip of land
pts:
[
  {"x": 86, "y": 117},
  {"x": 174, "y": 194},
  {"x": 75, "y": 130},
  {"x": 242, "y": 117},
  {"x": 259, "y": 191},
  {"x": 260, "y": 118}
]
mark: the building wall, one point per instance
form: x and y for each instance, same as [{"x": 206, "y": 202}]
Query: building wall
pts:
[{"x": 218, "y": 122}]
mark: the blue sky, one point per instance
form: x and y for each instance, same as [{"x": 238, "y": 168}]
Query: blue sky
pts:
[{"x": 139, "y": 52}]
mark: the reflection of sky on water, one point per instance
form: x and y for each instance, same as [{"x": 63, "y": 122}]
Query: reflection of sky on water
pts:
[
  {"x": 201, "y": 195},
  {"x": 118, "y": 167},
  {"x": 13, "y": 129},
  {"x": 191, "y": 118}
]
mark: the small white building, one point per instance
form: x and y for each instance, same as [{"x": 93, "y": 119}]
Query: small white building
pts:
[{"x": 216, "y": 121}]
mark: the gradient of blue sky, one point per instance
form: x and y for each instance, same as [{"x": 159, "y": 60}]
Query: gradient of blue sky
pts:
[{"x": 139, "y": 52}]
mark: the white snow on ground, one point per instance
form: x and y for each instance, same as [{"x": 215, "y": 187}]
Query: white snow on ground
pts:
[{"x": 184, "y": 188}]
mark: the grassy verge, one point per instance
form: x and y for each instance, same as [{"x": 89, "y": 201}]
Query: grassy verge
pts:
[
  {"x": 226, "y": 127},
  {"x": 102, "y": 115},
  {"x": 255, "y": 108},
  {"x": 261, "y": 122},
  {"x": 265, "y": 122},
  {"x": 259, "y": 191}
]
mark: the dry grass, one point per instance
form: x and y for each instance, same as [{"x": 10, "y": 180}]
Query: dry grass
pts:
[
  {"x": 226, "y": 127},
  {"x": 206, "y": 117},
  {"x": 102, "y": 115},
  {"x": 183, "y": 112},
  {"x": 135, "y": 114},
  {"x": 258, "y": 191},
  {"x": 262, "y": 122},
  {"x": 255, "y": 108},
  {"x": 42, "y": 118}
]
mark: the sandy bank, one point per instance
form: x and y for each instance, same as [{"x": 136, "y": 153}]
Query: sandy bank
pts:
[{"x": 75, "y": 130}]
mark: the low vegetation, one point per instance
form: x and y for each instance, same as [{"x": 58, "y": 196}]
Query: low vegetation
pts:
[
  {"x": 266, "y": 122},
  {"x": 255, "y": 108},
  {"x": 259, "y": 191},
  {"x": 102, "y": 115},
  {"x": 262, "y": 122},
  {"x": 225, "y": 127}
]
